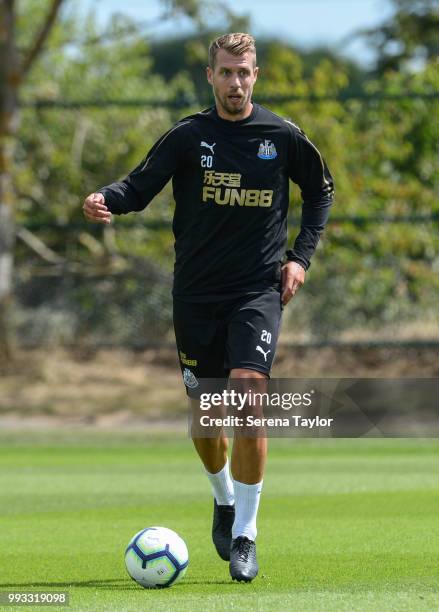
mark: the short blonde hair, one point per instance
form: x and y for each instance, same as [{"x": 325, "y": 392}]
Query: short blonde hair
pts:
[{"x": 236, "y": 43}]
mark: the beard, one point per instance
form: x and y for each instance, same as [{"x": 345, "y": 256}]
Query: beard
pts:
[{"x": 230, "y": 107}]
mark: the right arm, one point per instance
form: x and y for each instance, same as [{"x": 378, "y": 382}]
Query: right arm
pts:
[{"x": 136, "y": 191}]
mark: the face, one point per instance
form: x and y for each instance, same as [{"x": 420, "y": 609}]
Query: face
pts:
[{"x": 233, "y": 79}]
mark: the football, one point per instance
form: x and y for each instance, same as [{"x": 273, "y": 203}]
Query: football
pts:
[{"x": 156, "y": 557}]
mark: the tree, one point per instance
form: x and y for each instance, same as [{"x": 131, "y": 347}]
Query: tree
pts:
[
  {"x": 92, "y": 282},
  {"x": 16, "y": 63},
  {"x": 410, "y": 35},
  {"x": 14, "y": 68}
]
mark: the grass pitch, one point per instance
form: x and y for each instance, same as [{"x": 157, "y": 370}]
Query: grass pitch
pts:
[{"x": 343, "y": 525}]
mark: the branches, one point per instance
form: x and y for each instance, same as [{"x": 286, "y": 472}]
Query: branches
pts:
[
  {"x": 38, "y": 246},
  {"x": 41, "y": 37},
  {"x": 98, "y": 264}
]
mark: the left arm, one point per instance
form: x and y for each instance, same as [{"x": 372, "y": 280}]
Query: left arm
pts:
[{"x": 308, "y": 169}]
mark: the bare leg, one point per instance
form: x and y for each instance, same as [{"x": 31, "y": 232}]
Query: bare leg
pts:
[
  {"x": 212, "y": 451},
  {"x": 248, "y": 454},
  {"x": 248, "y": 459}
]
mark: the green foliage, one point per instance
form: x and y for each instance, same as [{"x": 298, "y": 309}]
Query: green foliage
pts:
[{"x": 409, "y": 37}]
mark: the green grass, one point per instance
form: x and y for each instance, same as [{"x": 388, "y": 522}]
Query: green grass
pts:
[{"x": 343, "y": 525}]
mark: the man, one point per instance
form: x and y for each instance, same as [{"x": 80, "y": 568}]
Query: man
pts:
[{"x": 230, "y": 167}]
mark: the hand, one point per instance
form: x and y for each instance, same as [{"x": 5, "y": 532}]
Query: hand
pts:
[
  {"x": 94, "y": 209},
  {"x": 293, "y": 277}
]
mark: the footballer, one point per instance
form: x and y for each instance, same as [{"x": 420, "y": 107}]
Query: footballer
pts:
[{"x": 230, "y": 167}]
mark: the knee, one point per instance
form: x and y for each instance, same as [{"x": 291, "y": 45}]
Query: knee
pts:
[
  {"x": 242, "y": 380},
  {"x": 246, "y": 373}
]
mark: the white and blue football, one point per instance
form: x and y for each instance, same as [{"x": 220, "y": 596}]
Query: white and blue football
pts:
[{"x": 156, "y": 557}]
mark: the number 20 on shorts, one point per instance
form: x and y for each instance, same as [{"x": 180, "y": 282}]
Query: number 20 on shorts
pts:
[{"x": 266, "y": 336}]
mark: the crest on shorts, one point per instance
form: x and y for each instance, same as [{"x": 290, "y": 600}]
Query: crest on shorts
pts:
[
  {"x": 267, "y": 150},
  {"x": 189, "y": 379}
]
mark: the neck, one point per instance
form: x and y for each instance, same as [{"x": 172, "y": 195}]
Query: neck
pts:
[{"x": 246, "y": 112}]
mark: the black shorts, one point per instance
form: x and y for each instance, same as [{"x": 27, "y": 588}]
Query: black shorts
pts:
[{"x": 216, "y": 337}]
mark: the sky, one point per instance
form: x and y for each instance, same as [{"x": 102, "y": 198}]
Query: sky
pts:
[{"x": 302, "y": 22}]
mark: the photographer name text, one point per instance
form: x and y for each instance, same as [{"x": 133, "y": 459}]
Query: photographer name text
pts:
[{"x": 294, "y": 420}]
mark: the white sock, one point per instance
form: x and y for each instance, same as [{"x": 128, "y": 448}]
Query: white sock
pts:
[
  {"x": 247, "y": 498},
  {"x": 222, "y": 486}
]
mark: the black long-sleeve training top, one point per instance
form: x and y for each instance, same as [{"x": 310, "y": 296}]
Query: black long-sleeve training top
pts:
[{"x": 231, "y": 189}]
